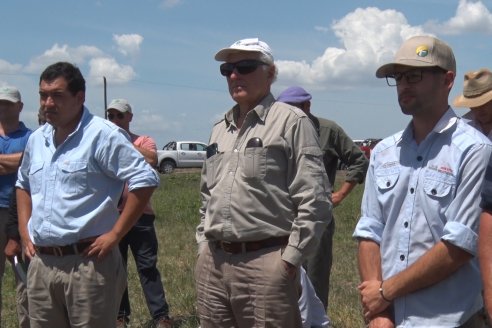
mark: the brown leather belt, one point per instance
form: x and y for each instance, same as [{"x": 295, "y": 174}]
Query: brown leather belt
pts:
[
  {"x": 250, "y": 246},
  {"x": 72, "y": 249}
]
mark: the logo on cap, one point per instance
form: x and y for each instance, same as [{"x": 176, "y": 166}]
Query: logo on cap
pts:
[{"x": 422, "y": 51}]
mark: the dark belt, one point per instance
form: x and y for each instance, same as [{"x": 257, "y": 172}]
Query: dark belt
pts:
[
  {"x": 250, "y": 246},
  {"x": 73, "y": 249}
]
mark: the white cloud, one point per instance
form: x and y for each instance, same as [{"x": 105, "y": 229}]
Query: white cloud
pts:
[
  {"x": 471, "y": 17},
  {"x": 369, "y": 37},
  {"x": 170, "y": 3},
  {"x": 77, "y": 55},
  {"x": 113, "y": 71},
  {"x": 128, "y": 44},
  {"x": 8, "y": 68}
]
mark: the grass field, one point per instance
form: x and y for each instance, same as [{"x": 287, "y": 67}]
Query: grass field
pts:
[{"x": 176, "y": 204}]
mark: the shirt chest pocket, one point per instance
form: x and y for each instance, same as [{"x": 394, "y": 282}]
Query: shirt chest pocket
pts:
[
  {"x": 36, "y": 177},
  {"x": 438, "y": 185},
  {"x": 254, "y": 162},
  {"x": 73, "y": 177},
  {"x": 386, "y": 178}
]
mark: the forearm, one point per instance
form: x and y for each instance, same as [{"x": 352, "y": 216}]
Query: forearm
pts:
[
  {"x": 341, "y": 193},
  {"x": 9, "y": 163},
  {"x": 135, "y": 204},
  {"x": 150, "y": 156},
  {"x": 485, "y": 257},
  {"x": 24, "y": 209},
  {"x": 369, "y": 260},
  {"x": 440, "y": 262}
]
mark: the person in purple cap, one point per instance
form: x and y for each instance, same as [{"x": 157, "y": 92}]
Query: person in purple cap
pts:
[
  {"x": 265, "y": 199},
  {"x": 337, "y": 147}
]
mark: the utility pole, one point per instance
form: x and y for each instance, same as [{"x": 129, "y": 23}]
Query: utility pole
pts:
[{"x": 105, "y": 99}]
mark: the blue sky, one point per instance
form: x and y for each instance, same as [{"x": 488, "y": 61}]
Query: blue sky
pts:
[{"x": 159, "y": 54}]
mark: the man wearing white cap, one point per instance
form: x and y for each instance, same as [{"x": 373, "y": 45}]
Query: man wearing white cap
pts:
[
  {"x": 13, "y": 139},
  {"x": 265, "y": 195},
  {"x": 477, "y": 95},
  {"x": 141, "y": 238},
  {"x": 418, "y": 228}
]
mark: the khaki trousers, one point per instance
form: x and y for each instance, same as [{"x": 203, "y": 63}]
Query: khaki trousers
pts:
[
  {"x": 246, "y": 290},
  {"x": 75, "y": 291}
]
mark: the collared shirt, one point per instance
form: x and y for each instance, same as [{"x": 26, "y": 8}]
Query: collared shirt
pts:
[
  {"x": 12, "y": 143},
  {"x": 338, "y": 146},
  {"x": 75, "y": 187},
  {"x": 144, "y": 142},
  {"x": 277, "y": 187},
  {"x": 470, "y": 119},
  {"x": 417, "y": 195}
]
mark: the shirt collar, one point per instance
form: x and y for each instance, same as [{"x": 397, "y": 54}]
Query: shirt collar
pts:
[
  {"x": 446, "y": 122},
  {"x": 48, "y": 129},
  {"x": 261, "y": 110}
]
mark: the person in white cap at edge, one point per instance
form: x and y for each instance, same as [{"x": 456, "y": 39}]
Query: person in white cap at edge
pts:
[
  {"x": 142, "y": 238},
  {"x": 265, "y": 198},
  {"x": 477, "y": 95},
  {"x": 420, "y": 209},
  {"x": 13, "y": 139}
]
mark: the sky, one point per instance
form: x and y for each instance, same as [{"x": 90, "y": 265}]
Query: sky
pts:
[{"x": 159, "y": 54}]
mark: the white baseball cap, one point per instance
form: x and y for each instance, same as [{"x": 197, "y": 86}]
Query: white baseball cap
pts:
[
  {"x": 245, "y": 45},
  {"x": 121, "y": 105},
  {"x": 10, "y": 94}
]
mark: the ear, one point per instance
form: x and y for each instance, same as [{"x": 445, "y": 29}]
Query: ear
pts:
[
  {"x": 80, "y": 96},
  {"x": 449, "y": 79},
  {"x": 131, "y": 117}
]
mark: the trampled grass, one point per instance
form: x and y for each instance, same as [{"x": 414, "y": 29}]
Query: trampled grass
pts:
[{"x": 176, "y": 203}]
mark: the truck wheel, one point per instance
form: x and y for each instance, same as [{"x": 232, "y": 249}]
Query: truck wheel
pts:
[{"x": 167, "y": 167}]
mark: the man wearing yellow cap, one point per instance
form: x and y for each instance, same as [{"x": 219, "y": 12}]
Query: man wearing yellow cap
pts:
[{"x": 418, "y": 228}]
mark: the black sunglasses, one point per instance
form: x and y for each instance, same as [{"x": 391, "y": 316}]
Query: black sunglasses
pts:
[
  {"x": 242, "y": 67},
  {"x": 111, "y": 116}
]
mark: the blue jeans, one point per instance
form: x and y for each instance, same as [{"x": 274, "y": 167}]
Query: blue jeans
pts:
[{"x": 142, "y": 241}]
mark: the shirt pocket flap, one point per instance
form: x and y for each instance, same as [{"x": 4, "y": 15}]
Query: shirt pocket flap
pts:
[
  {"x": 386, "y": 178},
  {"x": 438, "y": 184},
  {"x": 72, "y": 167},
  {"x": 35, "y": 167}
]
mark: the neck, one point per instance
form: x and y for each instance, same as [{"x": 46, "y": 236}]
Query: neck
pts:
[{"x": 8, "y": 126}]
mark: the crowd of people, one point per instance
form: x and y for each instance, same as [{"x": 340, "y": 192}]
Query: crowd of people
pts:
[{"x": 75, "y": 196}]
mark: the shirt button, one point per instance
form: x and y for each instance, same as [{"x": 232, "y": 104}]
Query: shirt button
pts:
[
  {"x": 412, "y": 190},
  {"x": 405, "y": 225},
  {"x": 419, "y": 158},
  {"x": 402, "y": 257},
  {"x": 388, "y": 183},
  {"x": 433, "y": 191}
]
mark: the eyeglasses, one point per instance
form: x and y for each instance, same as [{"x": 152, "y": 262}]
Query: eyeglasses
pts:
[
  {"x": 242, "y": 67},
  {"x": 112, "y": 116},
  {"x": 412, "y": 77}
]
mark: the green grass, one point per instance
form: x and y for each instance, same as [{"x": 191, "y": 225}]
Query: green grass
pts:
[{"x": 176, "y": 203}]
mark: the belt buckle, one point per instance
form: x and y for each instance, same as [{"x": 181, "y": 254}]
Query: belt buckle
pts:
[
  {"x": 57, "y": 251},
  {"x": 226, "y": 246}
]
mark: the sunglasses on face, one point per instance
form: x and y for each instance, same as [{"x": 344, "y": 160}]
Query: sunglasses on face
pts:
[
  {"x": 112, "y": 116},
  {"x": 242, "y": 67}
]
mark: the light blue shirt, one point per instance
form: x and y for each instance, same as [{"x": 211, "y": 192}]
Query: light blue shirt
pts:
[
  {"x": 75, "y": 187},
  {"x": 414, "y": 197}
]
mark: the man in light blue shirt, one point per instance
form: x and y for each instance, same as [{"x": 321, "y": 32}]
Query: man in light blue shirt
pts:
[
  {"x": 68, "y": 187},
  {"x": 418, "y": 230}
]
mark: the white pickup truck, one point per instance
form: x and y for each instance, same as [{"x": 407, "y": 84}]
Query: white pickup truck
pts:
[{"x": 181, "y": 154}]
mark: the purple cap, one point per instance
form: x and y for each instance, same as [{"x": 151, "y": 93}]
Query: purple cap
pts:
[{"x": 294, "y": 95}]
